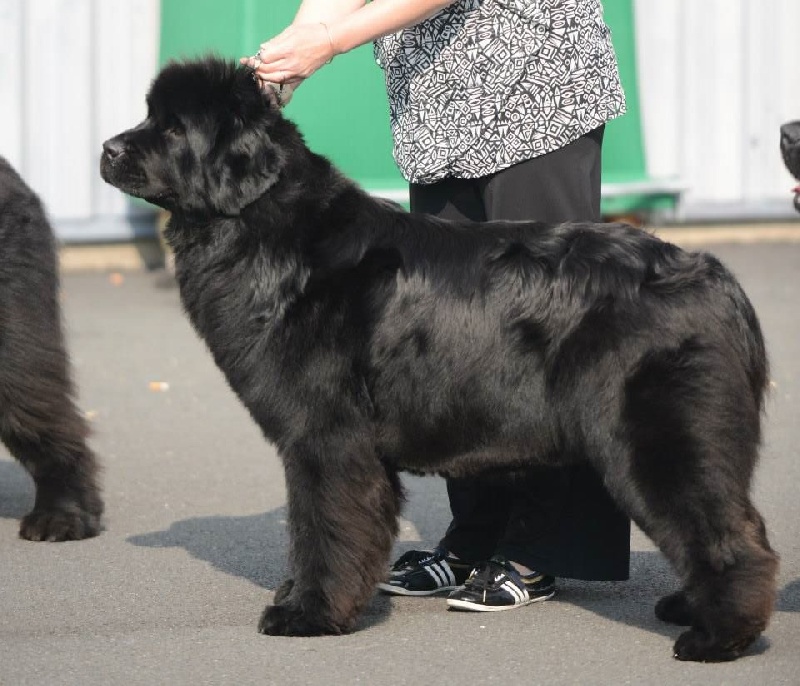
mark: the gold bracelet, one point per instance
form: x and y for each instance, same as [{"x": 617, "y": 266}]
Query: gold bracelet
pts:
[{"x": 330, "y": 41}]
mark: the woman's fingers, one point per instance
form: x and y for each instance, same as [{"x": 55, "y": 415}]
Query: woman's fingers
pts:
[
  {"x": 293, "y": 55},
  {"x": 278, "y": 71}
]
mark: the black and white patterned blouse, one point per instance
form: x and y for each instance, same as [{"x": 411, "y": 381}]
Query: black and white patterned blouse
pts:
[{"x": 485, "y": 84}]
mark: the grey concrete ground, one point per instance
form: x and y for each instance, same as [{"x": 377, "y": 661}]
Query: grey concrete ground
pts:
[{"x": 196, "y": 537}]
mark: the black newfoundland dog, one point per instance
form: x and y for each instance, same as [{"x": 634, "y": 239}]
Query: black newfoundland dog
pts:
[
  {"x": 39, "y": 423},
  {"x": 365, "y": 340}
]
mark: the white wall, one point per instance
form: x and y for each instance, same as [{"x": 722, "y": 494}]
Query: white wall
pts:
[
  {"x": 717, "y": 78},
  {"x": 73, "y": 73}
]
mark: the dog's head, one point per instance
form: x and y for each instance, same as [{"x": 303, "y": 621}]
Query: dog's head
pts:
[{"x": 206, "y": 145}]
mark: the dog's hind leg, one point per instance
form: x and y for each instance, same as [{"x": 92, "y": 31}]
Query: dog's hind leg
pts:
[
  {"x": 343, "y": 508},
  {"x": 731, "y": 591},
  {"x": 39, "y": 422},
  {"x": 717, "y": 543},
  {"x": 694, "y": 432},
  {"x": 42, "y": 428}
]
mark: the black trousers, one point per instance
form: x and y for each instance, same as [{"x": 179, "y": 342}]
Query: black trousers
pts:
[{"x": 556, "y": 521}]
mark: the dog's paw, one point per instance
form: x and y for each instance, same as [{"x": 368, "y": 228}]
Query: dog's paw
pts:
[
  {"x": 675, "y": 609},
  {"x": 698, "y": 646},
  {"x": 289, "y": 620},
  {"x": 71, "y": 523}
]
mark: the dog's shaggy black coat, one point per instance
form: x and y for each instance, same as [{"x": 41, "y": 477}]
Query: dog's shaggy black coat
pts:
[
  {"x": 39, "y": 423},
  {"x": 365, "y": 340}
]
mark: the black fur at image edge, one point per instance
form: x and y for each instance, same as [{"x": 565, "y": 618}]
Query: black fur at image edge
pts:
[
  {"x": 39, "y": 422},
  {"x": 790, "y": 151},
  {"x": 365, "y": 341}
]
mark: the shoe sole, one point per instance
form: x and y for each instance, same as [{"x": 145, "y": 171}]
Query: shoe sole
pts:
[
  {"x": 399, "y": 590},
  {"x": 477, "y": 607}
]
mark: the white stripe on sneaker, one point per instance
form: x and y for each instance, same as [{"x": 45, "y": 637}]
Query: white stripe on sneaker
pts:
[
  {"x": 451, "y": 578},
  {"x": 519, "y": 595},
  {"x": 440, "y": 573},
  {"x": 433, "y": 571}
]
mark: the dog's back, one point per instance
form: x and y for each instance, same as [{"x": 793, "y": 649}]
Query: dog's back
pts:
[{"x": 565, "y": 307}]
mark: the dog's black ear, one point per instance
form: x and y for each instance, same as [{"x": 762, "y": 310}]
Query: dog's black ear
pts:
[{"x": 242, "y": 171}]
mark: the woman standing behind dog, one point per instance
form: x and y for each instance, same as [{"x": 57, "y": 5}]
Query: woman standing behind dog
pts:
[{"x": 497, "y": 111}]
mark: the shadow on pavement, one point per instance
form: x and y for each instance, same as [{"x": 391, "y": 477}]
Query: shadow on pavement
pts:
[
  {"x": 16, "y": 490},
  {"x": 251, "y": 547},
  {"x": 789, "y": 597},
  {"x": 630, "y": 602}
]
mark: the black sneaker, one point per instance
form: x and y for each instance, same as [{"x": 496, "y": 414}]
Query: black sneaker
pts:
[
  {"x": 419, "y": 572},
  {"x": 495, "y": 585}
]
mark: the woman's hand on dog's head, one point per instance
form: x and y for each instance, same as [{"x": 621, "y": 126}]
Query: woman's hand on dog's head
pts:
[{"x": 293, "y": 55}]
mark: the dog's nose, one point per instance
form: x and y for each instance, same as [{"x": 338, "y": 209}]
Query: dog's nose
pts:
[{"x": 113, "y": 147}]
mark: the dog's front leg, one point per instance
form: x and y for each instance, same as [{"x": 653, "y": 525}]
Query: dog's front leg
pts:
[{"x": 343, "y": 507}]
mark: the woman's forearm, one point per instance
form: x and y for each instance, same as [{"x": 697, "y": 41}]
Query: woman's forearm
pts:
[{"x": 323, "y": 29}]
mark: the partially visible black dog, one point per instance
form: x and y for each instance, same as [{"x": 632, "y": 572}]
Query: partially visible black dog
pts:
[
  {"x": 365, "y": 340},
  {"x": 790, "y": 150},
  {"x": 39, "y": 423}
]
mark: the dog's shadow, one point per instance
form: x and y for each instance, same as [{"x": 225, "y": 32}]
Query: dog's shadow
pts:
[
  {"x": 17, "y": 491},
  {"x": 252, "y": 547},
  {"x": 789, "y": 597}
]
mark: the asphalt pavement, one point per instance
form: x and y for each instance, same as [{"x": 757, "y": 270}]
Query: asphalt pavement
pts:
[{"x": 196, "y": 536}]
